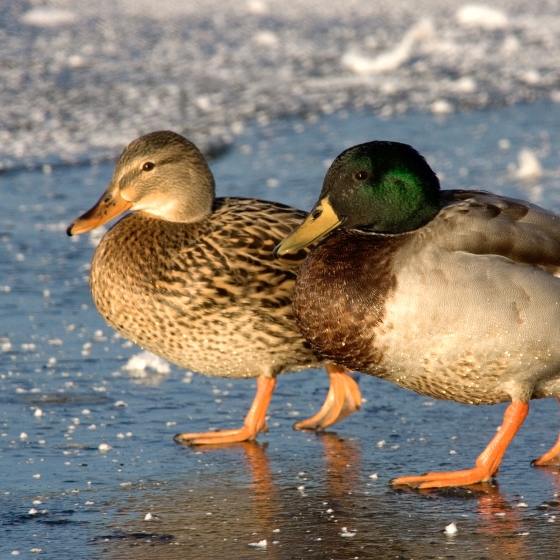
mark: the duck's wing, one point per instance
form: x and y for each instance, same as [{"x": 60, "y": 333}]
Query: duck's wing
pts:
[
  {"x": 483, "y": 223},
  {"x": 253, "y": 227}
]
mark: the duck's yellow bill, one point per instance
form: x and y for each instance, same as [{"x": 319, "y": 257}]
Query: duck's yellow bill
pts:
[
  {"x": 109, "y": 206},
  {"x": 321, "y": 220}
]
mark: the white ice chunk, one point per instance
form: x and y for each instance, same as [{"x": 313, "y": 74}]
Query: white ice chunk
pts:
[
  {"x": 529, "y": 168},
  {"x": 266, "y": 38},
  {"x": 5, "y": 344},
  {"x": 451, "y": 529},
  {"x": 146, "y": 360},
  {"x": 48, "y": 17},
  {"x": 396, "y": 57},
  {"x": 96, "y": 235},
  {"x": 441, "y": 107},
  {"x": 485, "y": 17},
  {"x": 260, "y": 544}
]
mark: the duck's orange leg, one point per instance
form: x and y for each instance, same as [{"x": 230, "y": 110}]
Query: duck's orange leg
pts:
[
  {"x": 254, "y": 421},
  {"x": 552, "y": 457},
  {"x": 343, "y": 399},
  {"x": 487, "y": 462}
]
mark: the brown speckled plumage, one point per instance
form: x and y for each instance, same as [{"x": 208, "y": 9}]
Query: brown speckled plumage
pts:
[{"x": 207, "y": 296}]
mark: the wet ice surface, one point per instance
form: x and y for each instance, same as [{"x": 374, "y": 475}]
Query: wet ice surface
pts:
[
  {"x": 87, "y": 419},
  {"x": 80, "y": 79}
]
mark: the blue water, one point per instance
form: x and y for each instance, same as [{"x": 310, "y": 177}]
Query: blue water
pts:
[{"x": 58, "y": 355}]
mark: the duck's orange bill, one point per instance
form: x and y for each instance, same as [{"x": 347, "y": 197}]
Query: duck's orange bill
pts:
[{"x": 109, "y": 206}]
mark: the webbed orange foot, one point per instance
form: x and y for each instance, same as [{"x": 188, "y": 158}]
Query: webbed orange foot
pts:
[
  {"x": 487, "y": 463},
  {"x": 254, "y": 421},
  {"x": 551, "y": 458},
  {"x": 443, "y": 479},
  {"x": 219, "y": 437},
  {"x": 344, "y": 398}
]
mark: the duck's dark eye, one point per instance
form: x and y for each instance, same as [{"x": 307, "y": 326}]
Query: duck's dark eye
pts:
[
  {"x": 148, "y": 166},
  {"x": 361, "y": 175}
]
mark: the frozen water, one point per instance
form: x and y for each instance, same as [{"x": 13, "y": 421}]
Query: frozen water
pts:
[
  {"x": 80, "y": 80},
  {"x": 97, "y": 477}
]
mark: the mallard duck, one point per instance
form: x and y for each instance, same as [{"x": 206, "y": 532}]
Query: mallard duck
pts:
[
  {"x": 192, "y": 278},
  {"x": 452, "y": 294}
]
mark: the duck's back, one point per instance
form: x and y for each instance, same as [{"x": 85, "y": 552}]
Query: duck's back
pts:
[{"x": 208, "y": 296}]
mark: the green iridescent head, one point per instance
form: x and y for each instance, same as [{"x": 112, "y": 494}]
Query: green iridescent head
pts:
[{"x": 383, "y": 187}]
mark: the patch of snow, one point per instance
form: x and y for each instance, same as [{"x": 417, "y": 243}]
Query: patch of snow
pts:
[
  {"x": 48, "y": 17},
  {"x": 451, "y": 529},
  {"x": 396, "y": 57},
  {"x": 485, "y": 17},
  {"x": 261, "y": 544},
  {"x": 529, "y": 167},
  {"x": 145, "y": 360}
]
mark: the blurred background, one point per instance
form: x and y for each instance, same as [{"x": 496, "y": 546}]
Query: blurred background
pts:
[{"x": 80, "y": 80}]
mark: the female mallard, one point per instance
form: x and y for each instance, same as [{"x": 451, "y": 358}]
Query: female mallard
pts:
[
  {"x": 449, "y": 293},
  {"x": 192, "y": 278}
]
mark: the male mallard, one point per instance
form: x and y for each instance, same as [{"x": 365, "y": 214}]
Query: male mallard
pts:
[
  {"x": 192, "y": 278},
  {"x": 449, "y": 293}
]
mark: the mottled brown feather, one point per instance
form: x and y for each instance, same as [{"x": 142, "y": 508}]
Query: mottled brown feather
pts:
[{"x": 207, "y": 296}]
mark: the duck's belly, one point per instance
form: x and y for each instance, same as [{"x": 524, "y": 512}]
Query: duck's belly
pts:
[
  {"x": 486, "y": 335},
  {"x": 205, "y": 333}
]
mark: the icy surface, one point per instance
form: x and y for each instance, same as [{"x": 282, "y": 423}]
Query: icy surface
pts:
[
  {"x": 87, "y": 419},
  {"x": 100, "y": 456},
  {"x": 79, "y": 79}
]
